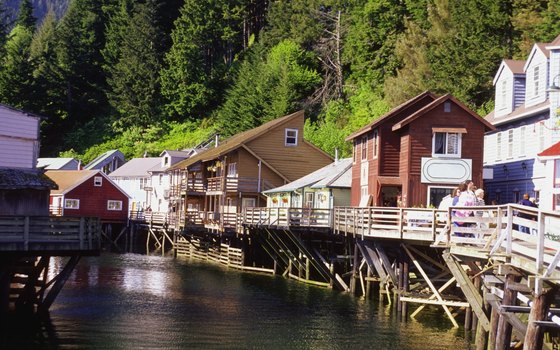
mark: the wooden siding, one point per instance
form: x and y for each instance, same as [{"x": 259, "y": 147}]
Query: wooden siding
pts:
[
  {"x": 18, "y": 125},
  {"x": 24, "y": 202},
  {"x": 537, "y": 58},
  {"x": 504, "y": 107},
  {"x": 293, "y": 162},
  {"x": 18, "y": 153},
  {"x": 390, "y": 150},
  {"x": 518, "y": 92},
  {"x": 93, "y": 201}
]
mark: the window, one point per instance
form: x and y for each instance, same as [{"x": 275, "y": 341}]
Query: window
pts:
[
  {"x": 375, "y": 142},
  {"x": 364, "y": 195},
  {"x": 510, "y": 144},
  {"x": 114, "y": 205},
  {"x": 143, "y": 182},
  {"x": 447, "y": 107},
  {"x": 354, "y": 151},
  {"x": 436, "y": 194},
  {"x": 308, "y": 200},
  {"x": 97, "y": 181},
  {"x": 536, "y": 81},
  {"x": 72, "y": 204},
  {"x": 522, "y": 131},
  {"x": 446, "y": 144},
  {"x": 232, "y": 170},
  {"x": 291, "y": 137},
  {"x": 364, "y": 147},
  {"x": 516, "y": 197},
  {"x": 541, "y": 136},
  {"x": 160, "y": 179},
  {"x": 503, "y": 94},
  {"x": 165, "y": 161},
  {"x": 499, "y": 146}
]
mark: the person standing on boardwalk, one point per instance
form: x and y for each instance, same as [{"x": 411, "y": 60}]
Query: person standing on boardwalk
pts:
[
  {"x": 466, "y": 199},
  {"x": 526, "y": 202}
]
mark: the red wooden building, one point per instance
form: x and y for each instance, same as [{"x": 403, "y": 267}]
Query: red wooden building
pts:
[
  {"x": 420, "y": 150},
  {"x": 87, "y": 193}
]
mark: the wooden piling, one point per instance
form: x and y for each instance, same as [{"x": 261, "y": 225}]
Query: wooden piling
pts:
[
  {"x": 503, "y": 334},
  {"x": 539, "y": 312}
]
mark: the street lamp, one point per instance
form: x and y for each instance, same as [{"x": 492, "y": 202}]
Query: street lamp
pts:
[{"x": 555, "y": 86}]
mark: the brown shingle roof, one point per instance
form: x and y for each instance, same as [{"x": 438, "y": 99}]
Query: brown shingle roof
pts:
[
  {"x": 16, "y": 179},
  {"x": 68, "y": 179},
  {"x": 516, "y": 66},
  {"x": 436, "y": 103},
  {"x": 390, "y": 114},
  {"x": 235, "y": 141}
]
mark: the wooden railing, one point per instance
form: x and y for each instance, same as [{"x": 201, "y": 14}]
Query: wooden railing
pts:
[
  {"x": 39, "y": 233},
  {"x": 526, "y": 237},
  {"x": 237, "y": 184},
  {"x": 286, "y": 217}
]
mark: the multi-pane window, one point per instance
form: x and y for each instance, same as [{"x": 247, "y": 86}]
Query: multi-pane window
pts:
[
  {"x": 232, "y": 170},
  {"x": 114, "y": 205},
  {"x": 97, "y": 181},
  {"x": 72, "y": 204},
  {"x": 499, "y": 146},
  {"x": 447, "y": 144},
  {"x": 503, "y": 94},
  {"x": 364, "y": 147},
  {"x": 536, "y": 81},
  {"x": 510, "y": 143},
  {"x": 522, "y": 132},
  {"x": 375, "y": 142},
  {"x": 291, "y": 137}
]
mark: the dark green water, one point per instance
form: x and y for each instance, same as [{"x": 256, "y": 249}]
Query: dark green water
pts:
[{"x": 136, "y": 301}]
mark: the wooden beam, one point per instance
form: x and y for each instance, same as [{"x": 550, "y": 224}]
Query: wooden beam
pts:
[
  {"x": 434, "y": 290},
  {"x": 503, "y": 335},
  {"x": 435, "y": 302},
  {"x": 433, "y": 296},
  {"x": 539, "y": 312}
]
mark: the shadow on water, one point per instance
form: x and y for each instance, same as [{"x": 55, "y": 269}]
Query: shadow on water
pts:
[
  {"x": 130, "y": 301},
  {"x": 28, "y": 331}
]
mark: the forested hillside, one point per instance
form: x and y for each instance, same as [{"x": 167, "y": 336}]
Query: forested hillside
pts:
[{"x": 142, "y": 76}]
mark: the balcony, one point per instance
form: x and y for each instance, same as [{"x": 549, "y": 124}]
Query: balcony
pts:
[{"x": 236, "y": 184}]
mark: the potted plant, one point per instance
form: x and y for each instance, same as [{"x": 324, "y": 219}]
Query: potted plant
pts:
[{"x": 285, "y": 199}]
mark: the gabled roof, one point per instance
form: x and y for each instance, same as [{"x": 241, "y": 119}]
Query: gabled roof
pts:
[
  {"x": 542, "y": 47},
  {"x": 436, "y": 103},
  {"x": 20, "y": 179},
  {"x": 555, "y": 44},
  {"x": 519, "y": 113},
  {"x": 54, "y": 163},
  {"x": 552, "y": 151},
  {"x": 136, "y": 167},
  {"x": 515, "y": 66},
  {"x": 235, "y": 141},
  {"x": 181, "y": 154},
  {"x": 101, "y": 158},
  {"x": 391, "y": 113},
  {"x": 67, "y": 180},
  {"x": 333, "y": 175}
]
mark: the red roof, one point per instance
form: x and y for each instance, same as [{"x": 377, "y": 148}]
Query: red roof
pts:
[{"x": 551, "y": 151}]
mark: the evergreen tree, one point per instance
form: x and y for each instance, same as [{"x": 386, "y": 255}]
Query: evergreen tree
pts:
[
  {"x": 268, "y": 88},
  {"x": 48, "y": 88},
  {"x": 206, "y": 38},
  {"x": 16, "y": 74},
  {"x": 79, "y": 39},
  {"x": 134, "y": 81}
]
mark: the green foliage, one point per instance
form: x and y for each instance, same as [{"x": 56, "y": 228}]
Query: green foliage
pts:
[
  {"x": 16, "y": 73},
  {"x": 25, "y": 15},
  {"x": 269, "y": 88},
  {"x": 134, "y": 78}
]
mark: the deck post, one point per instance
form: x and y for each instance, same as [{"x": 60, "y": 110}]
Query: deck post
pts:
[
  {"x": 406, "y": 288},
  {"x": 481, "y": 337},
  {"x": 503, "y": 334},
  {"x": 539, "y": 312},
  {"x": 354, "y": 269},
  {"x": 400, "y": 285}
]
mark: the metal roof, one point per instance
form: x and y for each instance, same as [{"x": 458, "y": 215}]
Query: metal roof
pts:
[
  {"x": 18, "y": 179},
  {"x": 337, "y": 174},
  {"x": 136, "y": 167},
  {"x": 54, "y": 163}
]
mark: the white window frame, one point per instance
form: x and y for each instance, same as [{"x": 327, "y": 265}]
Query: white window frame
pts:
[
  {"x": 522, "y": 133},
  {"x": 364, "y": 147},
  {"x": 70, "y": 203},
  {"x": 291, "y": 137},
  {"x": 510, "y": 144},
  {"x": 114, "y": 205},
  {"x": 98, "y": 181},
  {"x": 503, "y": 94},
  {"x": 499, "y": 146},
  {"x": 536, "y": 71},
  {"x": 375, "y": 142},
  {"x": 446, "y": 153},
  {"x": 232, "y": 170}
]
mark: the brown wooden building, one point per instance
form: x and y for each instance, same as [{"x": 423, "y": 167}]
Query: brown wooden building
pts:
[
  {"x": 420, "y": 150},
  {"x": 211, "y": 188}
]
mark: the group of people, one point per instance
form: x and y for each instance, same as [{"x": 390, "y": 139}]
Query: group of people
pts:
[{"x": 467, "y": 195}]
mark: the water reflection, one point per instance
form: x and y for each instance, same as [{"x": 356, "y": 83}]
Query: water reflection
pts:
[{"x": 136, "y": 301}]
